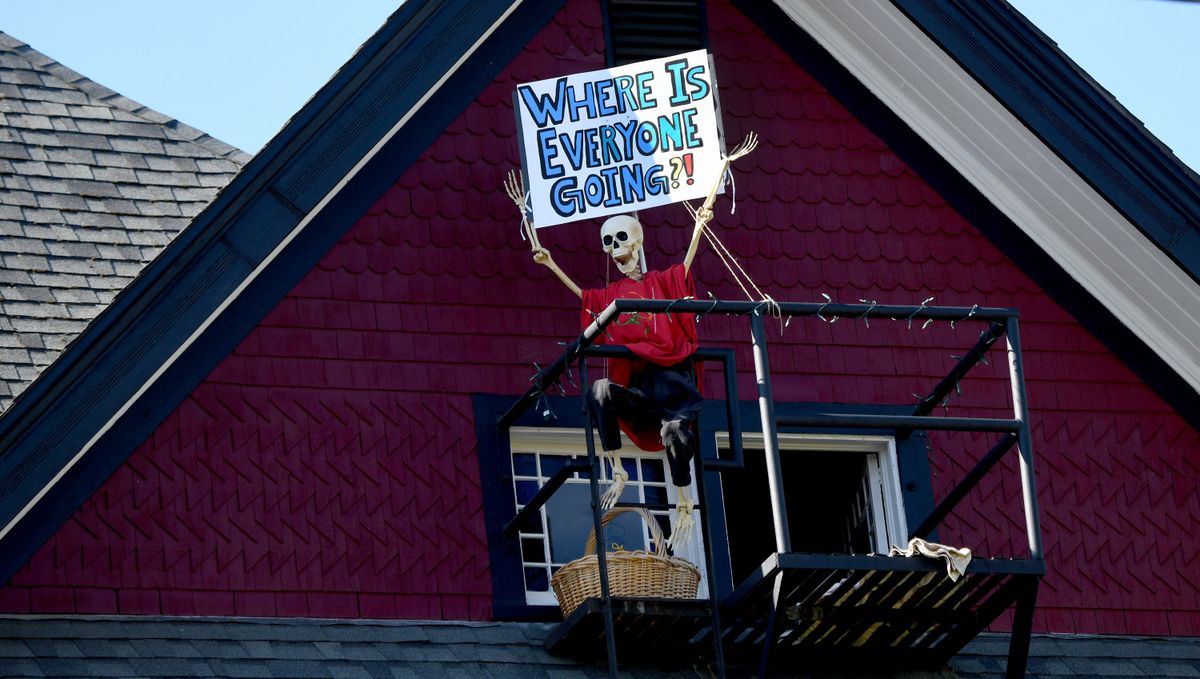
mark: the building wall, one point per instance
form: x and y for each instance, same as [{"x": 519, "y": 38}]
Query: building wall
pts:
[{"x": 328, "y": 466}]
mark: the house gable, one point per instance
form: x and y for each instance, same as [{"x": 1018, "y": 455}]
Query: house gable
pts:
[
  {"x": 342, "y": 419},
  {"x": 326, "y": 466}
]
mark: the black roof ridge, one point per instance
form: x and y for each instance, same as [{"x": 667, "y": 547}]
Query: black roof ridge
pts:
[
  {"x": 110, "y": 97},
  {"x": 1077, "y": 118},
  {"x": 1082, "y": 73}
]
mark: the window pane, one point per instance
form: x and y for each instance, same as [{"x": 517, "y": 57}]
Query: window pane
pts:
[
  {"x": 533, "y": 550},
  {"x": 552, "y": 463},
  {"x": 656, "y": 495},
  {"x": 630, "y": 467},
  {"x": 532, "y": 523},
  {"x": 652, "y": 470},
  {"x": 536, "y": 580},
  {"x": 526, "y": 490},
  {"x": 625, "y": 532},
  {"x": 524, "y": 464},
  {"x": 630, "y": 493},
  {"x": 585, "y": 474},
  {"x": 569, "y": 520}
]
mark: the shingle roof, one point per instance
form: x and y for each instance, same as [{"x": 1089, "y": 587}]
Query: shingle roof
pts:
[
  {"x": 247, "y": 647},
  {"x": 92, "y": 186},
  {"x": 1053, "y": 656},
  {"x": 179, "y": 647}
]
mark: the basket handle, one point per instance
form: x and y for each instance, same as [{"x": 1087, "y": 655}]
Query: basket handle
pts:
[{"x": 656, "y": 534}]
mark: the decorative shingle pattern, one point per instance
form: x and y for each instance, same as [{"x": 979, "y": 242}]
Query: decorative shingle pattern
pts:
[{"x": 92, "y": 186}]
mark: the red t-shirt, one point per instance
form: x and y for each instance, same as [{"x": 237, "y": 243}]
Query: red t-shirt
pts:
[{"x": 662, "y": 338}]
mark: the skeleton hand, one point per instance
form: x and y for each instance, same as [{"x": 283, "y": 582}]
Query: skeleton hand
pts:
[
  {"x": 542, "y": 256},
  {"x": 515, "y": 188},
  {"x": 748, "y": 144},
  {"x": 681, "y": 530},
  {"x": 613, "y": 494}
]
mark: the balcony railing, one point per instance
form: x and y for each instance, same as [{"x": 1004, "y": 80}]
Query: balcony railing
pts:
[{"x": 817, "y": 606}]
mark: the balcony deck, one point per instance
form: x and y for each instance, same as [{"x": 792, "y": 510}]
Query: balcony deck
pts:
[{"x": 899, "y": 610}]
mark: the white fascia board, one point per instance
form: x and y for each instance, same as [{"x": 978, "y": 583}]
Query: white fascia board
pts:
[{"x": 1013, "y": 169}]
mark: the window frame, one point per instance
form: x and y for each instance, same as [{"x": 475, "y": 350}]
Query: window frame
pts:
[
  {"x": 495, "y": 454},
  {"x": 569, "y": 442},
  {"x": 882, "y": 449}
]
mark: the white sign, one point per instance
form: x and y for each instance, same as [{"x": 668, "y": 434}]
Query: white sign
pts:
[{"x": 621, "y": 139}]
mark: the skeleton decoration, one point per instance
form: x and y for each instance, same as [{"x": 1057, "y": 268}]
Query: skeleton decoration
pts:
[{"x": 654, "y": 399}]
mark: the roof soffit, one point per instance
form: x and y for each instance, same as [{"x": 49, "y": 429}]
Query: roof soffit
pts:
[{"x": 1055, "y": 207}]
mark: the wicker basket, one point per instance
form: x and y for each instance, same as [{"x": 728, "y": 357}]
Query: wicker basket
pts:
[{"x": 640, "y": 573}]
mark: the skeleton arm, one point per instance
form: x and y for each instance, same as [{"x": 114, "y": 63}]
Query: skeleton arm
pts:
[
  {"x": 542, "y": 256},
  {"x": 704, "y": 214},
  {"x": 514, "y": 186}
]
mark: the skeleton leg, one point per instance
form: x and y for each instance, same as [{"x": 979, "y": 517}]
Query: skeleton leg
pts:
[
  {"x": 684, "y": 525},
  {"x": 606, "y": 399},
  {"x": 678, "y": 437}
]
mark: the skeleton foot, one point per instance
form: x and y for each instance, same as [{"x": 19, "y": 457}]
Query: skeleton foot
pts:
[
  {"x": 613, "y": 494},
  {"x": 684, "y": 525}
]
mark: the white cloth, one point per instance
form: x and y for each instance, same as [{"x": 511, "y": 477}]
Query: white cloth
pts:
[{"x": 956, "y": 558}]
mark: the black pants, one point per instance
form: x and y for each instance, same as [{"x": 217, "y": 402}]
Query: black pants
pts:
[{"x": 656, "y": 396}]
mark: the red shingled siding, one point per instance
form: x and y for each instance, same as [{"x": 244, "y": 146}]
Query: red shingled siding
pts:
[{"x": 327, "y": 467}]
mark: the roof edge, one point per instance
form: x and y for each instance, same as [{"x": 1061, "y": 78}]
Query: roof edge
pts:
[
  {"x": 970, "y": 201},
  {"x": 117, "y": 100},
  {"x": 1073, "y": 115},
  {"x": 192, "y": 305}
]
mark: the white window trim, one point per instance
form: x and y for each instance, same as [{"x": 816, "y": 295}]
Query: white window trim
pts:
[
  {"x": 570, "y": 441},
  {"x": 883, "y": 468}
]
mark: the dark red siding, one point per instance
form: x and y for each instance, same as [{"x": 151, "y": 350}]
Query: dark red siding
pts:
[{"x": 327, "y": 467}]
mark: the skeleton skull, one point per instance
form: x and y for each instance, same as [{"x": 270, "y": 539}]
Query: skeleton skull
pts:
[{"x": 621, "y": 237}]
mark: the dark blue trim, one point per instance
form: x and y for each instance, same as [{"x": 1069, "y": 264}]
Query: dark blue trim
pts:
[
  {"x": 499, "y": 504},
  {"x": 1076, "y": 118},
  {"x": 961, "y": 195},
  {"x": 137, "y": 333}
]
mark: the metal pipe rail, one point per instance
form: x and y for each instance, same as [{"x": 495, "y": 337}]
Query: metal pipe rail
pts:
[
  {"x": 550, "y": 375},
  {"x": 1003, "y": 323},
  {"x": 965, "y": 486},
  {"x": 930, "y": 423},
  {"x": 950, "y": 382}
]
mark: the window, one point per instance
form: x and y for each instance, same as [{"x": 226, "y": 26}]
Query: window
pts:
[
  {"x": 558, "y": 535},
  {"x": 515, "y": 461},
  {"x": 843, "y": 496}
]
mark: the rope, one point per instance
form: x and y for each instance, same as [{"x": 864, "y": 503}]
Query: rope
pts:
[{"x": 739, "y": 274}]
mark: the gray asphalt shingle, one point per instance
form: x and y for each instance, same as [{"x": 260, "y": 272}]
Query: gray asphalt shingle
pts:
[
  {"x": 83, "y": 165},
  {"x": 270, "y": 648}
]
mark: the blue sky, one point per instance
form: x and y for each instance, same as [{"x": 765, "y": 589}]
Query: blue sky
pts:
[{"x": 238, "y": 69}]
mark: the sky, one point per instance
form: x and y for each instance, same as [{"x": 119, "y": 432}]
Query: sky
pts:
[{"x": 238, "y": 69}]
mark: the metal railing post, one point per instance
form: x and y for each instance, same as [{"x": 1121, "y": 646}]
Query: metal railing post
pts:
[
  {"x": 766, "y": 408},
  {"x": 597, "y": 525},
  {"x": 1016, "y": 374}
]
